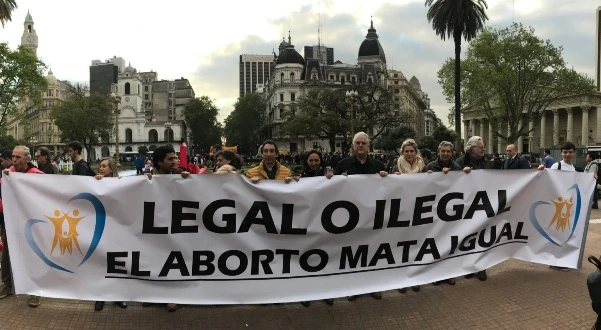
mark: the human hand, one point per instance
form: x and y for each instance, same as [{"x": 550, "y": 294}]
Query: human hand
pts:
[
  {"x": 446, "y": 170},
  {"x": 255, "y": 179},
  {"x": 541, "y": 167},
  {"x": 185, "y": 174},
  {"x": 467, "y": 170},
  {"x": 383, "y": 173},
  {"x": 99, "y": 176},
  {"x": 149, "y": 176}
]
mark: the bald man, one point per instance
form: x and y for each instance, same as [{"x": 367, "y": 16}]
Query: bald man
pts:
[{"x": 514, "y": 161}]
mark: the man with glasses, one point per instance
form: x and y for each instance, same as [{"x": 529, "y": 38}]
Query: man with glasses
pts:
[{"x": 45, "y": 164}]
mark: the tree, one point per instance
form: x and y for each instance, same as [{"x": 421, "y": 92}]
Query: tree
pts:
[
  {"x": 511, "y": 76},
  {"x": 22, "y": 82},
  {"x": 441, "y": 133},
  {"x": 83, "y": 117},
  {"x": 244, "y": 126},
  {"x": 6, "y": 9},
  {"x": 8, "y": 142},
  {"x": 201, "y": 117},
  {"x": 459, "y": 19},
  {"x": 318, "y": 113},
  {"x": 428, "y": 142},
  {"x": 392, "y": 138}
]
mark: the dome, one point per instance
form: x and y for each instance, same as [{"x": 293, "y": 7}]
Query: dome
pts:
[
  {"x": 130, "y": 69},
  {"x": 371, "y": 45},
  {"x": 290, "y": 55},
  {"x": 283, "y": 44},
  {"x": 52, "y": 81},
  {"x": 415, "y": 83}
]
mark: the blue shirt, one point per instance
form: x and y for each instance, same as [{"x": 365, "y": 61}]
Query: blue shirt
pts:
[{"x": 548, "y": 161}]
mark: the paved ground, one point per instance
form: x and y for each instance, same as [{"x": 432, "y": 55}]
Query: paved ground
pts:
[{"x": 517, "y": 295}]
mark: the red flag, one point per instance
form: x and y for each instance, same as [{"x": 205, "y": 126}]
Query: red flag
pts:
[{"x": 183, "y": 155}]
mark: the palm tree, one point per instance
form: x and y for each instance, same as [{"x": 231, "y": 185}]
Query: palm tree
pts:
[
  {"x": 6, "y": 9},
  {"x": 457, "y": 18}
]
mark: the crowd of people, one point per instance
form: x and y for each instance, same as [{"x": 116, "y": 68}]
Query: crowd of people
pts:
[{"x": 164, "y": 161}]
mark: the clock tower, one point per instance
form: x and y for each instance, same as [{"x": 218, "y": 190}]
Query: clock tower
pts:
[{"x": 30, "y": 37}]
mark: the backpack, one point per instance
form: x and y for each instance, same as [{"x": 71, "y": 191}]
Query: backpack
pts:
[
  {"x": 594, "y": 289},
  {"x": 89, "y": 170}
]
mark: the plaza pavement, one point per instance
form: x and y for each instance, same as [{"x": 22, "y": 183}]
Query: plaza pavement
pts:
[{"x": 517, "y": 295}]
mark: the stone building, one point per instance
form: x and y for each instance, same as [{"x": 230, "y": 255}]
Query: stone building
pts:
[{"x": 294, "y": 75}]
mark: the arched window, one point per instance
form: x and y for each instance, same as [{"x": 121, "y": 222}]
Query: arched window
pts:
[
  {"x": 128, "y": 148},
  {"x": 153, "y": 136},
  {"x": 168, "y": 134},
  {"x": 29, "y": 28},
  {"x": 128, "y": 135},
  {"x": 282, "y": 77},
  {"x": 104, "y": 151},
  {"x": 127, "y": 89},
  {"x": 292, "y": 77},
  {"x": 369, "y": 80}
]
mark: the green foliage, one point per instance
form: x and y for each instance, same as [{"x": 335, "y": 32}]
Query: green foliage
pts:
[
  {"x": 460, "y": 19},
  {"x": 201, "y": 117},
  {"x": 22, "y": 82},
  {"x": 9, "y": 142},
  {"x": 392, "y": 138},
  {"x": 143, "y": 150},
  {"x": 6, "y": 9},
  {"x": 244, "y": 127},
  {"x": 428, "y": 142},
  {"x": 510, "y": 75},
  {"x": 83, "y": 117},
  {"x": 442, "y": 133}
]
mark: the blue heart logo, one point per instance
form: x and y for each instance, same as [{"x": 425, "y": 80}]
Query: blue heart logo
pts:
[
  {"x": 65, "y": 236},
  {"x": 560, "y": 214}
]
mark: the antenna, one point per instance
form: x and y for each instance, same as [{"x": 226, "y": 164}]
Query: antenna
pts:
[{"x": 513, "y": 18}]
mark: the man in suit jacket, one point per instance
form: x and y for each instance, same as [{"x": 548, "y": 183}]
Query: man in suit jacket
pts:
[{"x": 515, "y": 161}]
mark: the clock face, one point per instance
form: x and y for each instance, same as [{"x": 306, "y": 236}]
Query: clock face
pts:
[
  {"x": 127, "y": 99},
  {"x": 31, "y": 38}
]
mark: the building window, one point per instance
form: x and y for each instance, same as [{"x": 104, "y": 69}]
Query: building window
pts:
[
  {"x": 396, "y": 90},
  {"x": 169, "y": 102},
  {"x": 127, "y": 89},
  {"x": 353, "y": 79},
  {"x": 146, "y": 96},
  {"x": 369, "y": 80},
  {"x": 128, "y": 135},
  {"x": 282, "y": 77},
  {"x": 396, "y": 82},
  {"x": 332, "y": 77},
  {"x": 292, "y": 77},
  {"x": 146, "y": 88},
  {"x": 396, "y": 75},
  {"x": 292, "y": 96},
  {"x": 314, "y": 76},
  {"x": 342, "y": 79},
  {"x": 281, "y": 97}
]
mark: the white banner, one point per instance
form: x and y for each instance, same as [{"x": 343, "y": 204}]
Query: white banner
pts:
[{"x": 219, "y": 239}]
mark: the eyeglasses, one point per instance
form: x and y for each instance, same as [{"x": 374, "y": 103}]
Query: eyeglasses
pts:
[{"x": 360, "y": 143}]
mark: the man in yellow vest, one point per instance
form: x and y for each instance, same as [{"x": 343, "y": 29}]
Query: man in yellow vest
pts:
[{"x": 269, "y": 168}]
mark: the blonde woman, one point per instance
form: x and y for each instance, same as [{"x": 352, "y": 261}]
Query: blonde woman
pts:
[
  {"x": 107, "y": 168},
  {"x": 410, "y": 160}
]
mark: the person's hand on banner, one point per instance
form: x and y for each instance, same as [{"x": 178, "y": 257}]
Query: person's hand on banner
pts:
[
  {"x": 383, "y": 173},
  {"x": 255, "y": 179},
  {"x": 6, "y": 171},
  {"x": 541, "y": 167},
  {"x": 467, "y": 170},
  {"x": 429, "y": 171},
  {"x": 445, "y": 170},
  {"x": 99, "y": 176},
  {"x": 149, "y": 175},
  {"x": 185, "y": 174}
]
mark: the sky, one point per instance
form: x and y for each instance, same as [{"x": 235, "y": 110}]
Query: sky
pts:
[{"x": 202, "y": 40}]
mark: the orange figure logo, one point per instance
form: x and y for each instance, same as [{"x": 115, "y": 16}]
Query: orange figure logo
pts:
[
  {"x": 563, "y": 213},
  {"x": 65, "y": 231}
]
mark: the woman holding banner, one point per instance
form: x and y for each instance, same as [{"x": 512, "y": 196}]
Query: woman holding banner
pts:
[
  {"x": 107, "y": 168},
  {"x": 410, "y": 161}
]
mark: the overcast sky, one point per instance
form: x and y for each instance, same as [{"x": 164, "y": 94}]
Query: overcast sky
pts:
[{"x": 202, "y": 40}]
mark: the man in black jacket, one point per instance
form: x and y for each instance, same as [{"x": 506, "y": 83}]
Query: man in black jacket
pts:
[
  {"x": 444, "y": 162},
  {"x": 474, "y": 160},
  {"x": 515, "y": 161}
]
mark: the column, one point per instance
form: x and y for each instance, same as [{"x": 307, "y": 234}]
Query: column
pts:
[
  {"x": 520, "y": 138},
  {"x": 499, "y": 130},
  {"x": 543, "y": 130},
  {"x": 531, "y": 137},
  {"x": 585, "y": 124},
  {"x": 555, "y": 127},
  {"x": 472, "y": 128},
  {"x": 489, "y": 144},
  {"x": 570, "y": 133},
  {"x": 481, "y": 133},
  {"x": 465, "y": 131}
]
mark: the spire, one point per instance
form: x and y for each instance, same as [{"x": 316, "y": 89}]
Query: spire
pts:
[
  {"x": 50, "y": 72},
  {"x": 289, "y": 39},
  {"x": 372, "y": 22},
  {"x": 28, "y": 18}
]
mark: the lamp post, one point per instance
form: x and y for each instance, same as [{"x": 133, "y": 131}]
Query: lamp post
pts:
[
  {"x": 168, "y": 127},
  {"x": 33, "y": 140},
  {"x": 351, "y": 97},
  {"x": 116, "y": 98}
]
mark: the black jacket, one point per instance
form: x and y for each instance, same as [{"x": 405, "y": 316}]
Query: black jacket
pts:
[
  {"x": 480, "y": 164},
  {"x": 517, "y": 163},
  {"x": 307, "y": 173},
  {"x": 437, "y": 166},
  {"x": 352, "y": 165}
]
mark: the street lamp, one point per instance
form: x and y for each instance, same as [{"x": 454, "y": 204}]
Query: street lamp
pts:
[
  {"x": 33, "y": 140},
  {"x": 116, "y": 98},
  {"x": 168, "y": 127},
  {"x": 351, "y": 97}
]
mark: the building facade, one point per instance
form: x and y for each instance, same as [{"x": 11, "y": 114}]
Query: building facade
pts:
[
  {"x": 295, "y": 74},
  {"x": 254, "y": 70},
  {"x": 319, "y": 52},
  {"x": 103, "y": 75}
]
